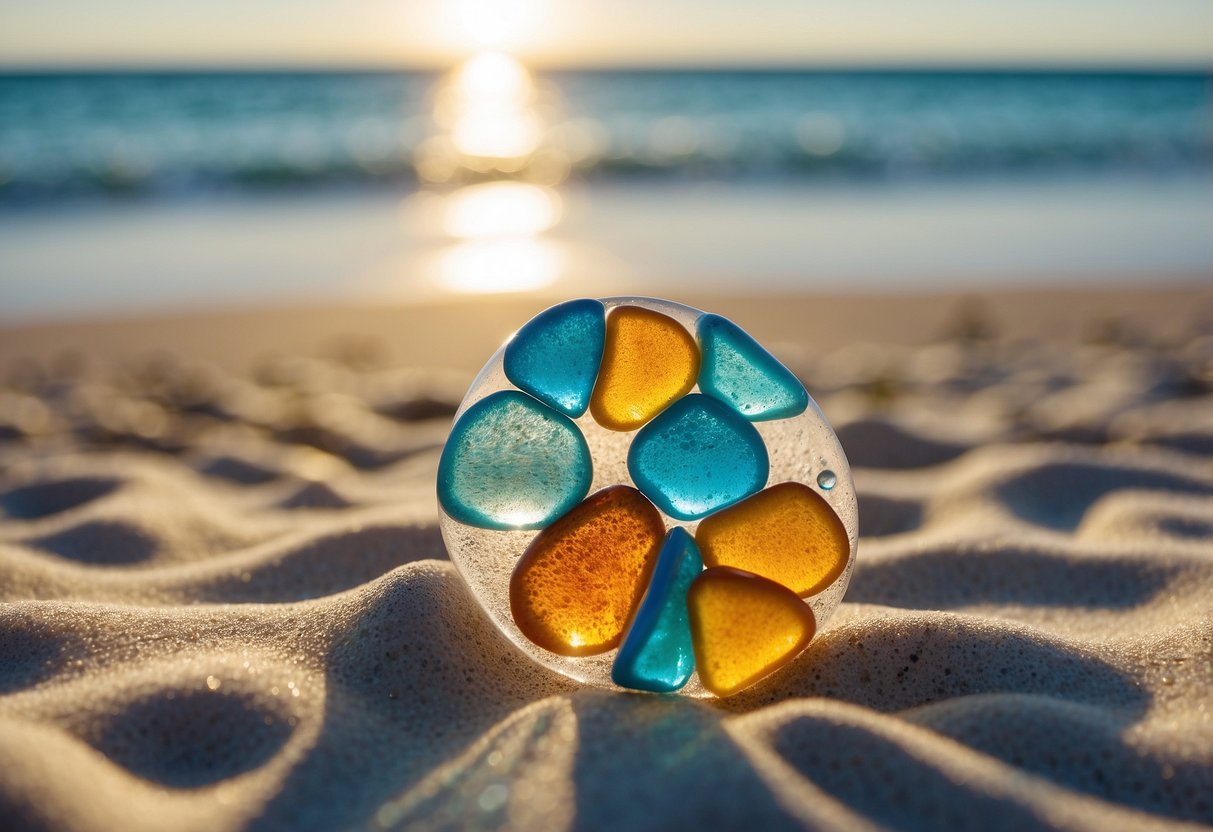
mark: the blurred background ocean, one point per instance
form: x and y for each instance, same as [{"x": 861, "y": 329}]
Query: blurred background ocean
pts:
[
  {"x": 176, "y": 135},
  {"x": 147, "y": 190}
]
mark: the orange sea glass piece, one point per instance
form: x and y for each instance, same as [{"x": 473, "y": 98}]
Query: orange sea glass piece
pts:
[
  {"x": 648, "y": 361},
  {"x": 787, "y": 533},
  {"x": 744, "y": 627},
  {"x": 578, "y": 583}
]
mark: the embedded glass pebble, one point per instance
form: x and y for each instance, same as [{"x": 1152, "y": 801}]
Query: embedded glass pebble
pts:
[
  {"x": 787, "y": 533},
  {"x": 673, "y": 422},
  {"x": 512, "y": 463},
  {"x": 696, "y": 457},
  {"x": 582, "y": 577},
  {"x": 649, "y": 360},
  {"x": 744, "y": 627},
  {"x": 657, "y": 654},
  {"x": 555, "y": 357},
  {"x": 738, "y": 371}
]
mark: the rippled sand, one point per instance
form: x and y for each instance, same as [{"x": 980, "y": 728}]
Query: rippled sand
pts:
[{"x": 226, "y": 603}]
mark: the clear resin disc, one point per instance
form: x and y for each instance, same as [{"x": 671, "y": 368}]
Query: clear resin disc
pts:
[{"x": 598, "y": 430}]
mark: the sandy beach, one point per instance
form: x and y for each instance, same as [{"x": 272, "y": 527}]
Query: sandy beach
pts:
[
  {"x": 226, "y": 603},
  {"x": 252, "y": 576}
]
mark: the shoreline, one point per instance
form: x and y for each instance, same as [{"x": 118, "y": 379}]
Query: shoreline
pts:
[
  {"x": 658, "y": 239},
  {"x": 461, "y": 334}
]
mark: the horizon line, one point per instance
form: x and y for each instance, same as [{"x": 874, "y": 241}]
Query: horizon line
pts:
[{"x": 340, "y": 67}]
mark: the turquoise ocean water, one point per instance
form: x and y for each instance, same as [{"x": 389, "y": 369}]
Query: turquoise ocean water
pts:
[
  {"x": 127, "y": 192},
  {"x": 69, "y": 135}
]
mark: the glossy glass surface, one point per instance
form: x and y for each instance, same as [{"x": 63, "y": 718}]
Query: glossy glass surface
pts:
[
  {"x": 579, "y": 582},
  {"x": 697, "y": 457},
  {"x": 512, "y": 463},
  {"x": 657, "y": 655},
  {"x": 555, "y": 357},
  {"x": 744, "y": 628},
  {"x": 738, "y": 371},
  {"x": 649, "y": 361},
  {"x": 800, "y": 449},
  {"x": 787, "y": 533}
]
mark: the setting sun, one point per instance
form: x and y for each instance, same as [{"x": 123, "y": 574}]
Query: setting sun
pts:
[
  {"x": 498, "y": 24},
  {"x": 465, "y": 27}
]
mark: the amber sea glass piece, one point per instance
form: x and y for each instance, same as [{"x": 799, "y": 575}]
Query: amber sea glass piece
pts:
[
  {"x": 578, "y": 583},
  {"x": 649, "y": 360},
  {"x": 744, "y": 627},
  {"x": 787, "y": 533}
]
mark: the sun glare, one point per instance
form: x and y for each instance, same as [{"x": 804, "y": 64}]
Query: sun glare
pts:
[
  {"x": 497, "y": 23},
  {"x": 488, "y": 108},
  {"x": 500, "y": 265},
  {"x": 498, "y": 249},
  {"x": 457, "y": 28},
  {"x": 495, "y": 77},
  {"x": 491, "y": 122},
  {"x": 500, "y": 209}
]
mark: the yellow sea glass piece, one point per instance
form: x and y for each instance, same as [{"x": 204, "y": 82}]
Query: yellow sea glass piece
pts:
[
  {"x": 744, "y": 627},
  {"x": 579, "y": 582},
  {"x": 787, "y": 533},
  {"x": 649, "y": 360}
]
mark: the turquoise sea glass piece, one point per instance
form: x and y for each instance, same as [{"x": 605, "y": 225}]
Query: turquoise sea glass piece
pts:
[
  {"x": 555, "y": 356},
  {"x": 696, "y": 457},
  {"x": 738, "y": 371},
  {"x": 511, "y": 462},
  {"x": 657, "y": 654}
]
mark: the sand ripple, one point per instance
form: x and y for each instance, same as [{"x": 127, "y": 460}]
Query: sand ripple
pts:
[{"x": 226, "y": 605}]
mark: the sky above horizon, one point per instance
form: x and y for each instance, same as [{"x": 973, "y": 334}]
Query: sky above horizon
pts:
[{"x": 414, "y": 33}]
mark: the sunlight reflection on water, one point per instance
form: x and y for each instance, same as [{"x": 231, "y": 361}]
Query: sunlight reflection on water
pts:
[
  {"x": 496, "y": 209},
  {"x": 494, "y": 169},
  {"x": 503, "y": 265}
]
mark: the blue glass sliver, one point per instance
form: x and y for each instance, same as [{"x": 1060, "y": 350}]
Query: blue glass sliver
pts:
[
  {"x": 696, "y": 457},
  {"x": 738, "y": 371},
  {"x": 555, "y": 356},
  {"x": 512, "y": 462},
  {"x": 656, "y": 654}
]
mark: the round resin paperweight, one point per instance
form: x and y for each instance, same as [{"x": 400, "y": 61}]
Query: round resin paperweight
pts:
[{"x": 640, "y": 496}]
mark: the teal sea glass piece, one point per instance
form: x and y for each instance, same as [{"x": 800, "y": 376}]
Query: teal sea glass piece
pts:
[
  {"x": 555, "y": 356},
  {"x": 511, "y": 462},
  {"x": 696, "y": 457},
  {"x": 657, "y": 654},
  {"x": 738, "y": 371}
]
